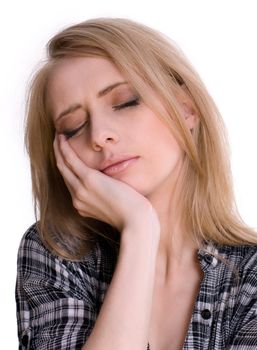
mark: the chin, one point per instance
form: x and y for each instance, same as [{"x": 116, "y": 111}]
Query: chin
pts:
[{"x": 139, "y": 186}]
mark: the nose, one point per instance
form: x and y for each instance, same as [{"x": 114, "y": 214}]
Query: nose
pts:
[{"x": 102, "y": 135}]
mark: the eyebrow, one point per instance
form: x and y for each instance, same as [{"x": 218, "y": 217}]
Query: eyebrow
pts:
[{"x": 101, "y": 93}]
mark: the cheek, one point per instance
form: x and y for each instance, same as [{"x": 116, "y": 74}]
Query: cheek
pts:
[
  {"x": 162, "y": 142},
  {"x": 167, "y": 156},
  {"x": 76, "y": 144}
]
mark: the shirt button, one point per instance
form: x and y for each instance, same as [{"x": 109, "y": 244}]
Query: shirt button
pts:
[
  {"x": 25, "y": 340},
  {"x": 208, "y": 258},
  {"x": 206, "y": 314}
]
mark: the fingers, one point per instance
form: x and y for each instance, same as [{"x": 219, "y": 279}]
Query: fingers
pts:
[
  {"x": 71, "y": 159},
  {"x": 78, "y": 179},
  {"x": 71, "y": 180}
]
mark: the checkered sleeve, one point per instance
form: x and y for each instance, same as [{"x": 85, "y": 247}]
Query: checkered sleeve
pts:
[{"x": 56, "y": 298}]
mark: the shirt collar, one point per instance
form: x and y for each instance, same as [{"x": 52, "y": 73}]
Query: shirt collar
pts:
[{"x": 207, "y": 256}]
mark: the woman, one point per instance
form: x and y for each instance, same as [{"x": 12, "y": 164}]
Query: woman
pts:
[{"x": 138, "y": 244}]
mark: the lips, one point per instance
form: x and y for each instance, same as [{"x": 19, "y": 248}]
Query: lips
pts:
[
  {"x": 121, "y": 165},
  {"x": 111, "y": 162}
]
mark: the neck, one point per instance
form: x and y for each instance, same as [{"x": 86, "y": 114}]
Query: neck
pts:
[{"x": 177, "y": 251}]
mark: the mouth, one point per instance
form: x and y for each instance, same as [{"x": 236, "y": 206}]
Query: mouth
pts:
[{"x": 119, "y": 166}]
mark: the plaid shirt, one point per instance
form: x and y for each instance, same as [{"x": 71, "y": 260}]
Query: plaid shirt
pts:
[{"x": 58, "y": 300}]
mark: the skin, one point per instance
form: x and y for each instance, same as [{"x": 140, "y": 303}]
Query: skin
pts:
[{"x": 150, "y": 186}]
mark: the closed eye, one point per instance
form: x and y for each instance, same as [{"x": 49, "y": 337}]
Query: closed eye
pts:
[
  {"x": 70, "y": 133},
  {"x": 131, "y": 103}
]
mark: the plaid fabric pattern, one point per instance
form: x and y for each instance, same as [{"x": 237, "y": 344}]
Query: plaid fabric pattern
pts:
[{"x": 58, "y": 300}]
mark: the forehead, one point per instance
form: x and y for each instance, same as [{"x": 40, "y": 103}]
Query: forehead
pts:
[
  {"x": 73, "y": 79},
  {"x": 86, "y": 69}
]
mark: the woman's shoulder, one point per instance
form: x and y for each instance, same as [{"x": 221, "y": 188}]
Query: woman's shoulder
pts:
[
  {"x": 241, "y": 262},
  {"x": 35, "y": 258},
  {"x": 244, "y": 257},
  {"x": 241, "y": 258},
  {"x": 32, "y": 245},
  {"x": 30, "y": 238}
]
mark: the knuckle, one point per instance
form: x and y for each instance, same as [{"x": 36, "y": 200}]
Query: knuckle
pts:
[
  {"x": 68, "y": 160},
  {"x": 76, "y": 203},
  {"x": 85, "y": 175},
  {"x": 82, "y": 213},
  {"x": 78, "y": 194},
  {"x": 89, "y": 180}
]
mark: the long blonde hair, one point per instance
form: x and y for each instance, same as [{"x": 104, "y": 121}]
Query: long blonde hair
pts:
[{"x": 147, "y": 58}]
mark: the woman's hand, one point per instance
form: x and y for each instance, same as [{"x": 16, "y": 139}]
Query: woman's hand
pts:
[{"x": 99, "y": 196}]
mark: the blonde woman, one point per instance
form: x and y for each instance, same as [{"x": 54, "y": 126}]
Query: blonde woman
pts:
[{"x": 138, "y": 244}]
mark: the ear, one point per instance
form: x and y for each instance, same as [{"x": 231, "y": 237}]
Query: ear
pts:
[{"x": 188, "y": 108}]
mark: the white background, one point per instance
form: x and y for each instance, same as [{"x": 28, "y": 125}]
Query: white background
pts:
[{"x": 220, "y": 39}]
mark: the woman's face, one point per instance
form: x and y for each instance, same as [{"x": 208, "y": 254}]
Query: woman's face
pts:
[{"x": 105, "y": 121}]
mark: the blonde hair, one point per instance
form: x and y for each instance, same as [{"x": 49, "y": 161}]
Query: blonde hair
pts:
[{"x": 147, "y": 58}]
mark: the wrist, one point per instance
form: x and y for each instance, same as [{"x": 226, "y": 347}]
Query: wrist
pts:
[{"x": 147, "y": 230}]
